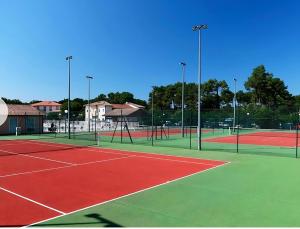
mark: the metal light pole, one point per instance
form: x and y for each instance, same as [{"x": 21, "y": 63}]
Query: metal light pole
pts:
[
  {"x": 234, "y": 105},
  {"x": 89, "y": 107},
  {"x": 182, "y": 97},
  {"x": 199, "y": 28},
  {"x": 69, "y": 58}
]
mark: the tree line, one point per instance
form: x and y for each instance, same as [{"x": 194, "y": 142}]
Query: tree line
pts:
[
  {"x": 263, "y": 94},
  {"x": 264, "y": 101},
  {"x": 262, "y": 89}
]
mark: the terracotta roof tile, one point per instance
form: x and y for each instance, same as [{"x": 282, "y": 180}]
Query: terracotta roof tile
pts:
[
  {"x": 46, "y": 103},
  {"x": 22, "y": 110},
  {"x": 120, "y": 106}
]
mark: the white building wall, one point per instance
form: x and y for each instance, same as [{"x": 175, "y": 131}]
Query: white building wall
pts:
[{"x": 98, "y": 111}]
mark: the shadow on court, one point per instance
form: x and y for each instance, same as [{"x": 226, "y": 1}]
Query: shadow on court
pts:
[{"x": 96, "y": 221}]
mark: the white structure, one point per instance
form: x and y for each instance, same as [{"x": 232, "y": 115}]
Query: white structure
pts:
[
  {"x": 97, "y": 109},
  {"x": 101, "y": 108}
]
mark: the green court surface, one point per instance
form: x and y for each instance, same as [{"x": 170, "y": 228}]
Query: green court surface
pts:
[{"x": 253, "y": 190}]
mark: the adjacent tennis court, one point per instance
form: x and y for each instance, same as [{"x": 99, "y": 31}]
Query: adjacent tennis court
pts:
[
  {"x": 41, "y": 180},
  {"x": 260, "y": 137}
]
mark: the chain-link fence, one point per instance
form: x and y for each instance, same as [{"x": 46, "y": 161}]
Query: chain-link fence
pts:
[{"x": 254, "y": 131}]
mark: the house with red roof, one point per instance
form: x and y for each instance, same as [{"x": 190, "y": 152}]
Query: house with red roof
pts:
[
  {"x": 26, "y": 118},
  {"x": 47, "y": 106}
]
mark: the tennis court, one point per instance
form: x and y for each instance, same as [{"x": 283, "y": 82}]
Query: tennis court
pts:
[
  {"x": 42, "y": 180},
  {"x": 260, "y": 137}
]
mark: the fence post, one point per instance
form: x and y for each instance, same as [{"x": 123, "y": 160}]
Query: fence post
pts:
[
  {"x": 297, "y": 139},
  {"x": 237, "y": 138},
  {"x": 121, "y": 126},
  {"x": 168, "y": 132},
  {"x": 147, "y": 133},
  {"x": 190, "y": 137},
  {"x": 96, "y": 128},
  {"x": 238, "y": 129}
]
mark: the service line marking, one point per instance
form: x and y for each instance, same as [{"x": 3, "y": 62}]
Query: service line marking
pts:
[{"x": 130, "y": 194}]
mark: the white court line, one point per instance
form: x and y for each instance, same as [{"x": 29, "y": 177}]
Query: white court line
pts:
[
  {"x": 168, "y": 155},
  {"x": 100, "y": 161},
  {"x": 33, "y": 201},
  {"x": 112, "y": 159},
  {"x": 94, "y": 149},
  {"x": 36, "y": 171},
  {"x": 122, "y": 150},
  {"x": 130, "y": 194},
  {"x": 12, "y": 144},
  {"x": 41, "y": 158},
  {"x": 63, "y": 167}
]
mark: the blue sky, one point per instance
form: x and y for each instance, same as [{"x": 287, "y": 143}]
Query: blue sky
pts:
[{"x": 130, "y": 45}]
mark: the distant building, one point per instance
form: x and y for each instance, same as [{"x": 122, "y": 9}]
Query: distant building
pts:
[
  {"x": 27, "y": 118},
  {"x": 131, "y": 114},
  {"x": 98, "y": 110},
  {"x": 104, "y": 111},
  {"x": 47, "y": 106}
]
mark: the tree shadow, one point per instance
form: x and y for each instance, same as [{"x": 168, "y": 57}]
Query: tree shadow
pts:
[{"x": 100, "y": 221}]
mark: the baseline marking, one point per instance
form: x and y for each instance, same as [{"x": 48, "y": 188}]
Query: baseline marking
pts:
[{"x": 33, "y": 201}]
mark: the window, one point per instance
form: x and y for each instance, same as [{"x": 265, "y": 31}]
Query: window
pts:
[
  {"x": 50, "y": 108},
  {"x": 45, "y": 108}
]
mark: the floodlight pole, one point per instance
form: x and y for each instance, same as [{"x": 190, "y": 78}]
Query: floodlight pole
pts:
[
  {"x": 234, "y": 105},
  {"x": 182, "y": 97},
  {"x": 199, "y": 28},
  {"x": 89, "y": 78},
  {"x": 69, "y": 58}
]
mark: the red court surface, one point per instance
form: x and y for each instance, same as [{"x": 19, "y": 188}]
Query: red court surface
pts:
[
  {"x": 54, "y": 179},
  {"x": 145, "y": 133},
  {"x": 282, "y": 139}
]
